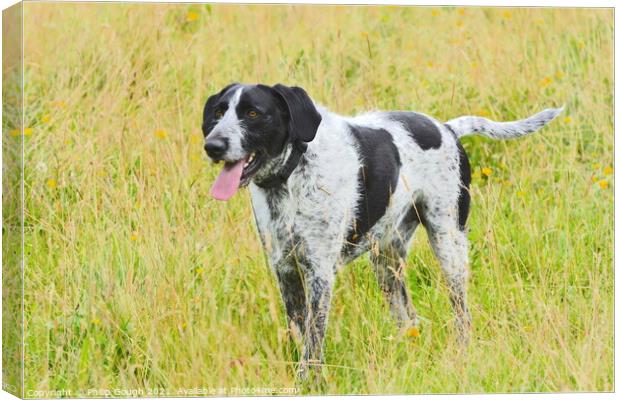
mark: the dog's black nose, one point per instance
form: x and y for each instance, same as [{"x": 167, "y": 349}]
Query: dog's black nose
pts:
[{"x": 216, "y": 147}]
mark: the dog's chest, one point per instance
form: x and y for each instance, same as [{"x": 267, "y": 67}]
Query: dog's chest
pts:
[
  {"x": 312, "y": 214},
  {"x": 275, "y": 220}
]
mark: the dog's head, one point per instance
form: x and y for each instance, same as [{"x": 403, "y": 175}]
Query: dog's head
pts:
[{"x": 247, "y": 125}]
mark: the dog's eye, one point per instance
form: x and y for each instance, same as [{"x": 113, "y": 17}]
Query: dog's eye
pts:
[
  {"x": 252, "y": 114},
  {"x": 219, "y": 114}
]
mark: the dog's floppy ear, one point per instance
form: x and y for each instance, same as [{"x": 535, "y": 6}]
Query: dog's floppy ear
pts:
[
  {"x": 211, "y": 101},
  {"x": 304, "y": 119}
]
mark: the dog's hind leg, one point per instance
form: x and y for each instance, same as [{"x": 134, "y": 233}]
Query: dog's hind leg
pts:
[
  {"x": 449, "y": 242},
  {"x": 388, "y": 263}
]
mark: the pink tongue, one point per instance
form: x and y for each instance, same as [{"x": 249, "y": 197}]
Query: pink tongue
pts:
[{"x": 227, "y": 182}]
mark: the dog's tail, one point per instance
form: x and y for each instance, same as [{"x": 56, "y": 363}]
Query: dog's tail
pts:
[{"x": 471, "y": 125}]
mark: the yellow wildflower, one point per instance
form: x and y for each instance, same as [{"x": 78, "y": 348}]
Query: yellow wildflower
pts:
[
  {"x": 603, "y": 184},
  {"x": 608, "y": 170},
  {"x": 435, "y": 12},
  {"x": 27, "y": 131},
  {"x": 546, "y": 81},
  {"x": 46, "y": 118},
  {"x": 161, "y": 134},
  {"x": 191, "y": 16},
  {"x": 413, "y": 332},
  {"x": 134, "y": 236},
  {"x": 594, "y": 179},
  {"x": 461, "y": 11},
  {"x": 14, "y": 132},
  {"x": 486, "y": 171},
  {"x": 521, "y": 193},
  {"x": 51, "y": 183},
  {"x": 596, "y": 165},
  {"x": 568, "y": 120},
  {"x": 199, "y": 270},
  {"x": 507, "y": 14},
  {"x": 96, "y": 321}
]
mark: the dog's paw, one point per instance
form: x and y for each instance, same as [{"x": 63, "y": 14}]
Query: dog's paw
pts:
[
  {"x": 302, "y": 372},
  {"x": 311, "y": 372}
]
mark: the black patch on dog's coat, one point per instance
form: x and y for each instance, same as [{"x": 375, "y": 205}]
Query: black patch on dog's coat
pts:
[
  {"x": 464, "y": 196},
  {"x": 378, "y": 177},
  {"x": 421, "y": 129}
]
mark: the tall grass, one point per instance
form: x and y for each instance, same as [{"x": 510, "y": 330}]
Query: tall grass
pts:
[{"x": 136, "y": 278}]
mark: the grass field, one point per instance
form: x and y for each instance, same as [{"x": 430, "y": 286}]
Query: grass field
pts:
[{"x": 136, "y": 279}]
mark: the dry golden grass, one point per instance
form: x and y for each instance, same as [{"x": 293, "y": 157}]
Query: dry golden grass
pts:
[{"x": 136, "y": 278}]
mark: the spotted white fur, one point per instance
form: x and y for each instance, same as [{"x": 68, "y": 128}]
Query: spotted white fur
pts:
[
  {"x": 229, "y": 127},
  {"x": 468, "y": 125}
]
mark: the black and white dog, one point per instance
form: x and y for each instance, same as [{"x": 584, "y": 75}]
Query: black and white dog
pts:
[{"x": 326, "y": 189}]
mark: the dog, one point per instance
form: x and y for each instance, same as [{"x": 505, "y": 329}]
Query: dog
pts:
[{"x": 326, "y": 189}]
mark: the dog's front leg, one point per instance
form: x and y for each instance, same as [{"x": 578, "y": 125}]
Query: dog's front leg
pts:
[
  {"x": 290, "y": 279},
  {"x": 319, "y": 285}
]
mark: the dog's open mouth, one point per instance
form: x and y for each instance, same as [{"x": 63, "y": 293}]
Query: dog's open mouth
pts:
[{"x": 235, "y": 174}]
